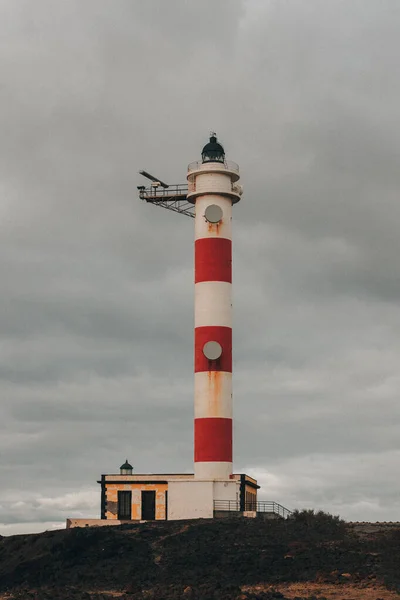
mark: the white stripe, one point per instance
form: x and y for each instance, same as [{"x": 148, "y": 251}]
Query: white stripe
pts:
[
  {"x": 203, "y": 228},
  {"x": 216, "y": 183},
  {"x": 213, "y": 394},
  {"x": 213, "y": 304},
  {"x": 212, "y": 470}
]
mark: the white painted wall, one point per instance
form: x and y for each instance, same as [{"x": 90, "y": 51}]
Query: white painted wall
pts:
[
  {"x": 204, "y": 229},
  {"x": 217, "y": 183},
  {"x": 226, "y": 490},
  {"x": 195, "y": 499},
  {"x": 190, "y": 500}
]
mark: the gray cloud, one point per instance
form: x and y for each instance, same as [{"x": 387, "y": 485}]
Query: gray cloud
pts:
[{"x": 96, "y": 311}]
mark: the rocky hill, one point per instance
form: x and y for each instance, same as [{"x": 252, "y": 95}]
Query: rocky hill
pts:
[{"x": 307, "y": 556}]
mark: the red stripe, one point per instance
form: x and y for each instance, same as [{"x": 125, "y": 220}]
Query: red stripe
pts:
[
  {"x": 213, "y": 440},
  {"x": 222, "y": 335},
  {"x": 213, "y": 260}
]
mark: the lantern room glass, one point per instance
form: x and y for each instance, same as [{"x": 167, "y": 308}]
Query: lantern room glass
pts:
[{"x": 213, "y": 151}]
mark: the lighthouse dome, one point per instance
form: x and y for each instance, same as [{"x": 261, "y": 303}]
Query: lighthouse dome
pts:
[
  {"x": 126, "y": 468},
  {"x": 213, "y": 151}
]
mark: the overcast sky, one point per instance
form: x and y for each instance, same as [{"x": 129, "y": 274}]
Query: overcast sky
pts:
[{"x": 96, "y": 319}]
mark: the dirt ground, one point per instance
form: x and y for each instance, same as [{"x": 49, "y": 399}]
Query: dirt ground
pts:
[
  {"x": 291, "y": 591},
  {"x": 342, "y": 591}
]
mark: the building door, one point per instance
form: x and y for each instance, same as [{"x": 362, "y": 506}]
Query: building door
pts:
[
  {"x": 148, "y": 506},
  {"x": 124, "y": 506}
]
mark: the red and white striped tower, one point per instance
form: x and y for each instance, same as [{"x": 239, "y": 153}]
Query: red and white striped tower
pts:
[{"x": 212, "y": 186}]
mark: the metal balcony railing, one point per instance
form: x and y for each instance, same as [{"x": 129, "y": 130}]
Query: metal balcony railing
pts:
[
  {"x": 264, "y": 506},
  {"x": 228, "y": 164},
  {"x": 174, "y": 198}
]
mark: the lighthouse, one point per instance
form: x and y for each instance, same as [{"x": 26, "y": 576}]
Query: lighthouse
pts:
[
  {"x": 213, "y": 189},
  {"x": 212, "y": 490}
]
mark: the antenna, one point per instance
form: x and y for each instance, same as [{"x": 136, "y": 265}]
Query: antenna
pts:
[
  {"x": 155, "y": 179},
  {"x": 171, "y": 197}
]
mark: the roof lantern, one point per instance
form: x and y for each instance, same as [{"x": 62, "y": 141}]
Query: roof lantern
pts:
[
  {"x": 213, "y": 151},
  {"x": 126, "y": 468}
]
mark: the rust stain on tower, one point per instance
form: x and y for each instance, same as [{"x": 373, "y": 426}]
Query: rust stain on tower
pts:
[
  {"x": 214, "y": 393},
  {"x": 215, "y": 227}
]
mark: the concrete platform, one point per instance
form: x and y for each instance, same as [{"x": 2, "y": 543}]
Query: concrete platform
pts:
[{"x": 97, "y": 522}]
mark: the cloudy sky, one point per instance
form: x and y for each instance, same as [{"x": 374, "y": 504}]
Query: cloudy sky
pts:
[{"x": 96, "y": 319}]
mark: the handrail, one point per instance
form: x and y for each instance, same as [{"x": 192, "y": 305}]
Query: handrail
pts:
[
  {"x": 169, "y": 193},
  {"x": 228, "y": 164},
  {"x": 172, "y": 198},
  {"x": 263, "y": 506}
]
